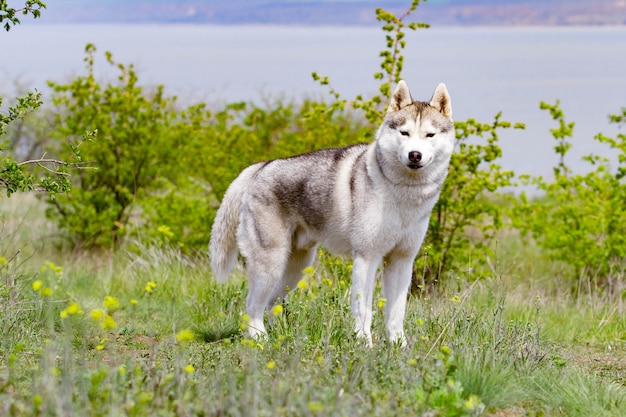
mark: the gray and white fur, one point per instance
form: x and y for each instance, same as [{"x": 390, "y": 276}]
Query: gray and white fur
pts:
[{"x": 369, "y": 201}]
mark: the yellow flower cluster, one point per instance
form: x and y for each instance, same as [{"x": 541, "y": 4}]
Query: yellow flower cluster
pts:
[
  {"x": 57, "y": 269},
  {"x": 252, "y": 343},
  {"x": 184, "y": 336},
  {"x": 165, "y": 231},
  {"x": 110, "y": 303},
  {"x": 72, "y": 309},
  {"x": 150, "y": 286},
  {"x": 245, "y": 321},
  {"x": 105, "y": 319},
  {"x": 101, "y": 344},
  {"x": 42, "y": 289}
]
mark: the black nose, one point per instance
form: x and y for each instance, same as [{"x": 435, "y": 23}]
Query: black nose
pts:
[{"x": 415, "y": 156}]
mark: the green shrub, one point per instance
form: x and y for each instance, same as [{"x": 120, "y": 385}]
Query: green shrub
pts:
[
  {"x": 468, "y": 215},
  {"x": 133, "y": 151},
  {"x": 158, "y": 171},
  {"x": 581, "y": 219}
]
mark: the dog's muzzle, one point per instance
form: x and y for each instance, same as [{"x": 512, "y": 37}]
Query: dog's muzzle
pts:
[{"x": 415, "y": 158}]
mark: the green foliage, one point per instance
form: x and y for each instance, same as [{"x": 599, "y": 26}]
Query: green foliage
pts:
[
  {"x": 468, "y": 215},
  {"x": 10, "y": 14},
  {"x": 23, "y": 106},
  {"x": 580, "y": 220},
  {"x": 133, "y": 151},
  {"x": 37, "y": 174},
  {"x": 391, "y": 65}
]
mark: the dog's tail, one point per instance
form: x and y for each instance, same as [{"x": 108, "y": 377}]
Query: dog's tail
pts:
[{"x": 223, "y": 246}]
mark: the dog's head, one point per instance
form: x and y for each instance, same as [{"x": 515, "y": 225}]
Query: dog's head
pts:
[{"x": 420, "y": 133}]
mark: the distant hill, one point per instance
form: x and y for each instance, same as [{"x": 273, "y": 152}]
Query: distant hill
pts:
[{"x": 338, "y": 12}]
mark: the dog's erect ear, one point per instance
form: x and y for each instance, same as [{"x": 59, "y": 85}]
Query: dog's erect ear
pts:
[
  {"x": 401, "y": 97},
  {"x": 441, "y": 101}
]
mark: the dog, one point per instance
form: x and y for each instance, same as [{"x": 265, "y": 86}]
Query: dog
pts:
[{"x": 369, "y": 201}]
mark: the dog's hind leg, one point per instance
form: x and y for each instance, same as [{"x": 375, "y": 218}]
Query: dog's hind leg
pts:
[
  {"x": 265, "y": 243},
  {"x": 299, "y": 259},
  {"x": 266, "y": 270}
]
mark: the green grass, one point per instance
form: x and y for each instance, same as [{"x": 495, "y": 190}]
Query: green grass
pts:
[{"x": 504, "y": 345}]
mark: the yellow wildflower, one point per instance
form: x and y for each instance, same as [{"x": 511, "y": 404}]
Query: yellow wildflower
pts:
[
  {"x": 382, "y": 302},
  {"x": 190, "y": 369},
  {"x": 57, "y": 269},
  {"x": 271, "y": 365},
  {"x": 97, "y": 314},
  {"x": 184, "y": 336},
  {"x": 315, "y": 406},
  {"x": 245, "y": 321},
  {"x": 472, "y": 402},
  {"x": 110, "y": 303},
  {"x": 108, "y": 322},
  {"x": 165, "y": 231},
  {"x": 150, "y": 286},
  {"x": 303, "y": 285},
  {"x": 37, "y": 285},
  {"x": 277, "y": 309},
  {"x": 100, "y": 345},
  {"x": 72, "y": 309},
  {"x": 46, "y": 292},
  {"x": 456, "y": 299}
]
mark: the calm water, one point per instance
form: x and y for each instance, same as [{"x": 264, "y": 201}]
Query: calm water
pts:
[{"x": 486, "y": 69}]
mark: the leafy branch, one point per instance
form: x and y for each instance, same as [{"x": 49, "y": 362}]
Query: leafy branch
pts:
[
  {"x": 22, "y": 176},
  {"x": 14, "y": 176},
  {"x": 24, "y": 106},
  {"x": 32, "y": 7},
  {"x": 391, "y": 64}
]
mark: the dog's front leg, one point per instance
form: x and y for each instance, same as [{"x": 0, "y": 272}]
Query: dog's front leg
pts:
[
  {"x": 396, "y": 281},
  {"x": 363, "y": 280}
]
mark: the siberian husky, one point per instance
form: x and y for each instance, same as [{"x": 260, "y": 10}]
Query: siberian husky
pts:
[{"x": 369, "y": 201}]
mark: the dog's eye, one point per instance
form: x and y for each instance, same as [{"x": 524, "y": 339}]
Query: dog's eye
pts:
[
  {"x": 404, "y": 133},
  {"x": 430, "y": 135}
]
